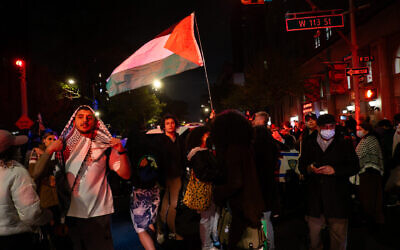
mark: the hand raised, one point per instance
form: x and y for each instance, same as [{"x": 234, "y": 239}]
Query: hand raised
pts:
[{"x": 55, "y": 146}]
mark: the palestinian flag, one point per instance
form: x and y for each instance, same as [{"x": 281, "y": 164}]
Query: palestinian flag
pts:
[{"x": 172, "y": 52}]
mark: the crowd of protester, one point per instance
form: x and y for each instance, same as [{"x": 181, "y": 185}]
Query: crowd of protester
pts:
[{"x": 214, "y": 187}]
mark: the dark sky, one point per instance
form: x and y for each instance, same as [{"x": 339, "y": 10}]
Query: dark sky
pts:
[{"x": 67, "y": 36}]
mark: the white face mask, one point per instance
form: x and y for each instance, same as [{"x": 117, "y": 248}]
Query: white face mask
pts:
[
  {"x": 360, "y": 133},
  {"x": 327, "y": 133}
]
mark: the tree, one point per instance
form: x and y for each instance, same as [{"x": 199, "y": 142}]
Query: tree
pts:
[{"x": 139, "y": 106}]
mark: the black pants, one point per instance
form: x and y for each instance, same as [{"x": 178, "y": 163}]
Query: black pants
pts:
[
  {"x": 16, "y": 241},
  {"x": 90, "y": 233}
]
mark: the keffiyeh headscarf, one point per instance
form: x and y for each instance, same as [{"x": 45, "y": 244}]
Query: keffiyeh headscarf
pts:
[{"x": 78, "y": 147}]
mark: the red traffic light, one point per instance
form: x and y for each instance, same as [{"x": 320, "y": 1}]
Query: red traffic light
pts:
[
  {"x": 370, "y": 94},
  {"x": 20, "y": 63},
  {"x": 247, "y": 2}
]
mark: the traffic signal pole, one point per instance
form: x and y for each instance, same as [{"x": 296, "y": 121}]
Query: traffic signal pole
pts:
[
  {"x": 354, "y": 59},
  {"x": 24, "y": 100}
]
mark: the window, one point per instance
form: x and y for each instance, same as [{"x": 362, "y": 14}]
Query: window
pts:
[
  {"x": 328, "y": 33},
  {"x": 397, "y": 62},
  {"x": 317, "y": 42}
]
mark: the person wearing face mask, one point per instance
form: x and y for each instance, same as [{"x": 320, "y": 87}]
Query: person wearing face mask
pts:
[
  {"x": 327, "y": 161},
  {"x": 370, "y": 175}
]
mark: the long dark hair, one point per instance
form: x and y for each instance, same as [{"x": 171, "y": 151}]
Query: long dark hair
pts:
[
  {"x": 194, "y": 138},
  {"x": 231, "y": 127}
]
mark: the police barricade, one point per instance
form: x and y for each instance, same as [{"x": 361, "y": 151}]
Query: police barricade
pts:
[{"x": 288, "y": 160}]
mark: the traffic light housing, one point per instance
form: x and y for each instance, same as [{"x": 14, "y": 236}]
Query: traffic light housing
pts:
[
  {"x": 370, "y": 94},
  {"x": 247, "y": 2}
]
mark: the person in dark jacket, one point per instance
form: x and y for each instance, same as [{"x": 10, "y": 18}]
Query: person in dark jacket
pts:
[
  {"x": 172, "y": 169},
  {"x": 327, "y": 161},
  {"x": 231, "y": 134},
  {"x": 266, "y": 159}
]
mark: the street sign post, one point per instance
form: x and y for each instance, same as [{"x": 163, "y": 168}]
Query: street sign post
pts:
[
  {"x": 357, "y": 71},
  {"x": 314, "y": 20},
  {"x": 24, "y": 122}
]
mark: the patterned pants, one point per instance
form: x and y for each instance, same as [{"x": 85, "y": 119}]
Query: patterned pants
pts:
[{"x": 144, "y": 206}]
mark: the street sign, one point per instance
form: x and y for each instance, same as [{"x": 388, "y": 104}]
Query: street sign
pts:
[
  {"x": 357, "y": 71},
  {"x": 24, "y": 122},
  {"x": 314, "y": 22},
  {"x": 366, "y": 58}
]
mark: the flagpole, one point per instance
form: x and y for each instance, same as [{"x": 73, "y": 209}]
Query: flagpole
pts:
[{"x": 204, "y": 62}]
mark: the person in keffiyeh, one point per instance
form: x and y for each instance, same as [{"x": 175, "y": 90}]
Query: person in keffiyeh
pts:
[{"x": 84, "y": 147}]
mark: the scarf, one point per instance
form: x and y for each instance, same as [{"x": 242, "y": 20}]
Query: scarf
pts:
[
  {"x": 79, "y": 148},
  {"x": 324, "y": 144},
  {"x": 369, "y": 152},
  {"x": 396, "y": 139}
]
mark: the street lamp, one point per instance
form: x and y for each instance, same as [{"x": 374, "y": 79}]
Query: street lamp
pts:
[
  {"x": 206, "y": 110},
  {"x": 97, "y": 114},
  {"x": 71, "y": 81},
  {"x": 157, "y": 84}
]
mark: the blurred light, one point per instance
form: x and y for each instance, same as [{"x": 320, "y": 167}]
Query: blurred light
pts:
[
  {"x": 19, "y": 63},
  {"x": 369, "y": 93},
  {"x": 71, "y": 81},
  {"x": 157, "y": 84},
  {"x": 97, "y": 113},
  {"x": 201, "y": 120},
  {"x": 206, "y": 110},
  {"x": 101, "y": 90},
  {"x": 344, "y": 111},
  {"x": 373, "y": 103},
  {"x": 323, "y": 112},
  {"x": 351, "y": 108}
]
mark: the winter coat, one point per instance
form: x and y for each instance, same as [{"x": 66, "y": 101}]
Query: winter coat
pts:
[
  {"x": 266, "y": 159},
  {"x": 241, "y": 188},
  {"x": 329, "y": 195}
]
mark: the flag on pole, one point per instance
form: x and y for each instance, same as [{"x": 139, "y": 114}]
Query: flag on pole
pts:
[{"x": 173, "y": 51}]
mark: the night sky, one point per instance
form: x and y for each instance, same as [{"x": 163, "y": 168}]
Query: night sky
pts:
[{"x": 67, "y": 36}]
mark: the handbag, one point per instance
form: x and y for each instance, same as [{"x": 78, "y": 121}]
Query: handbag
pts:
[
  {"x": 252, "y": 238},
  {"x": 393, "y": 183},
  {"x": 198, "y": 194},
  {"x": 63, "y": 190}
]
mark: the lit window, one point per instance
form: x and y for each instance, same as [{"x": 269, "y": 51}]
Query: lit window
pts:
[
  {"x": 397, "y": 62},
  {"x": 317, "y": 42},
  {"x": 328, "y": 33},
  {"x": 369, "y": 76}
]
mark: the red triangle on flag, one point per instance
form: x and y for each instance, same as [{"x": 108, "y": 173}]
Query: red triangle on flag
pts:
[{"x": 183, "y": 42}]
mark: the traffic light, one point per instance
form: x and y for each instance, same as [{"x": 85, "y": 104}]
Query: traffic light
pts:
[
  {"x": 370, "y": 94},
  {"x": 20, "y": 63},
  {"x": 247, "y": 2}
]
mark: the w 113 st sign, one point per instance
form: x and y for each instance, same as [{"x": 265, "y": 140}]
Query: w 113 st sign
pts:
[{"x": 313, "y": 20}]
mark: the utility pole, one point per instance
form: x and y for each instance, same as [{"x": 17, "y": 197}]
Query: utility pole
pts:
[{"x": 354, "y": 59}]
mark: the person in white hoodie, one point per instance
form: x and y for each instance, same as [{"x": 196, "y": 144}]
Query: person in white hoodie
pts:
[{"x": 19, "y": 203}]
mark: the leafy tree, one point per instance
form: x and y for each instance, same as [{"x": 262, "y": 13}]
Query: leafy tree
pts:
[{"x": 139, "y": 106}]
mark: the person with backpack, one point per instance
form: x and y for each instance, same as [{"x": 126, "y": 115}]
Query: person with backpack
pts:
[{"x": 145, "y": 196}]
